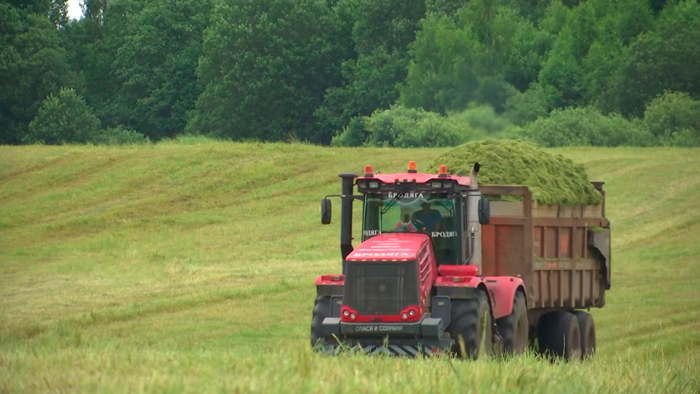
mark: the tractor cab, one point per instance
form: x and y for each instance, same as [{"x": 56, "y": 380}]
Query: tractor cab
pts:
[
  {"x": 448, "y": 208},
  {"x": 435, "y": 204},
  {"x": 438, "y": 213}
]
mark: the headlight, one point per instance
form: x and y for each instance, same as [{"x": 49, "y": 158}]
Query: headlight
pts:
[{"x": 374, "y": 184}]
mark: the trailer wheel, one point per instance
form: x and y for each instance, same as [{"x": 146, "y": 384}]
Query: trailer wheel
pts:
[
  {"x": 322, "y": 310},
  {"x": 514, "y": 328},
  {"x": 588, "y": 343},
  {"x": 559, "y": 335},
  {"x": 471, "y": 327}
]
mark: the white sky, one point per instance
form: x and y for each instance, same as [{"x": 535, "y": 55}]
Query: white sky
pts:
[{"x": 74, "y": 11}]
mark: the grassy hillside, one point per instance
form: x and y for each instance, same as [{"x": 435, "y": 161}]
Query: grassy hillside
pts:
[{"x": 189, "y": 267}]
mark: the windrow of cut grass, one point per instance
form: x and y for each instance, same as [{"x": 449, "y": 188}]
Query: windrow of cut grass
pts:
[{"x": 189, "y": 267}]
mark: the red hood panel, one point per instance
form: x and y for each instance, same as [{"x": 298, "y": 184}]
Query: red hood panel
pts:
[{"x": 387, "y": 247}]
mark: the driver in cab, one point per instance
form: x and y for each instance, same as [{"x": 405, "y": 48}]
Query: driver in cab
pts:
[{"x": 427, "y": 218}]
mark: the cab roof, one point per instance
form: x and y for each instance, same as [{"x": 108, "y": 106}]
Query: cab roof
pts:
[
  {"x": 406, "y": 177},
  {"x": 390, "y": 247}
]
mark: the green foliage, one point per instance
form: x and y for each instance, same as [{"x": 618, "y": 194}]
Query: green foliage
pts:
[
  {"x": 477, "y": 55},
  {"x": 32, "y": 66},
  {"x": 30, "y": 6},
  {"x": 356, "y": 133},
  {"x": 586, "y": 127},
  {"x": 441, "y": 76},
  {"x": 666, "y": 58},
  {"x": 156, "y": 65},
  {"x": 583, "y": 66},
  {"x": 369, "y": 85},
  {"x": 92, "y": 44},
  {"x": 555, "y": 17},
  {"x": 274, "y": 70},
  {"x": 533, "y": 10},
  {"x": 674, "y": 119},
  {"x": 526, "y": 107},
  {"x": 482, "y": 117},
  {"x": 63, "y": 119},
  {"x": 553, "y": 179},
  {"x": 58, "y": 13},
  {"x": 266, "y": 66},
  {"x": 406, "y": 127},
  {"x": 390, "y": 24},
  {"x": 375, "y": 37}
]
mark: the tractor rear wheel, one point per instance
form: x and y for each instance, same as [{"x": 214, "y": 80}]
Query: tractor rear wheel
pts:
[
  {"x": 514, "y": 328},
  {"x": 471, "y": 327},
  {"x": 559, "y": 335},
  {"x": 588, "y": 345},
  {"x": 322, "y": 310}
]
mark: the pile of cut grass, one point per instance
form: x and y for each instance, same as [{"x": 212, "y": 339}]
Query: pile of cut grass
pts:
[{"x": 553, "y": 179}]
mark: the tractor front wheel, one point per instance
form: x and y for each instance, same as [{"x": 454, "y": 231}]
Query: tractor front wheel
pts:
[
  {"x": 471, "y": 327},
  {"x": 322, "y": 310},
  {"x": 514, "y": 328}
]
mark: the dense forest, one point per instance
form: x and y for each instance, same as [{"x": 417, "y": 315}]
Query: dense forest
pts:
[{"x": 352, "y": 72}]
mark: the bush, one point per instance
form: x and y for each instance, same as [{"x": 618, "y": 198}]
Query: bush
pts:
[
  {"x": 482, "y": 117},
  {"x": 674, "y": 119},
  {"x": 63, "y": 119},
  {"x": 586, "y": 127},
  {"x": 406, "y": 127},
  {"x": 355, "y": 134},
  {"x": 119, "y": 135},
  {"x": 526, "y": 107}
]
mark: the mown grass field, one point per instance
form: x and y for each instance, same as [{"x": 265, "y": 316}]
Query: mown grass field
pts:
[{"x": 189, "y": 267}]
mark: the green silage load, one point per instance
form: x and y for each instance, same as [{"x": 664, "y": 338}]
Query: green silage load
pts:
[{"x": 552, "y": 179}]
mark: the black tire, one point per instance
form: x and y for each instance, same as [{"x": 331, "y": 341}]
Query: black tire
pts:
[
  {"x": 588, "y": 342},
  {"x": 471, "y": 327},
  {"x": 559, "y": 336},
  {"x": 322, "y": 310},
  {"x": 514, "y": 328}
]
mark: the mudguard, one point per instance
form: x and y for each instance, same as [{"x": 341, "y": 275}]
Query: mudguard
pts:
[
  {"x": 330, "y": 285},
  {"x": 502, "y": 292}
]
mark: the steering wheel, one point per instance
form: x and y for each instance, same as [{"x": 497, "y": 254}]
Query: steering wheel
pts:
[
  {"x": 415, "y": 226},
  {"x": 418, "y": 224}
]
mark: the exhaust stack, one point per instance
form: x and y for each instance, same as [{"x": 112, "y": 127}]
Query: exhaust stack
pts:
[
  {"x": 348, "y": 179},
  {"x": 473, "y": 225}
]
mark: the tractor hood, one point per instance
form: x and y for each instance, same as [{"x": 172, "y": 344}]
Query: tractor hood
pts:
[{"x": 390, "y": 247}]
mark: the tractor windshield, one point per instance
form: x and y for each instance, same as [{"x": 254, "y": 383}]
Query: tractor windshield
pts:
[{"x": 432, "y": 213}]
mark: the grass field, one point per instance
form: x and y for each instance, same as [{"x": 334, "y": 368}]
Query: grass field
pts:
[{"x": 189, "y": 267}]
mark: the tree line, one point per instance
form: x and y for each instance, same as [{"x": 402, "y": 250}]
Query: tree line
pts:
[{"x": 352, "y": 72}]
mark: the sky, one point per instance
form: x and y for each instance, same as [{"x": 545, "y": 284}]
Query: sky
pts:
[{"x": 74, "y": 11}]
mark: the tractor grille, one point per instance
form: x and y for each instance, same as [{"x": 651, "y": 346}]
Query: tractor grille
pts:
[{"x": 382, "y": 288}]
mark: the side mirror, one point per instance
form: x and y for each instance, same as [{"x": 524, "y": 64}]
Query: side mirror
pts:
[
  {"x": 325, "y": 211},
  {"x": 484, "y": 211}
]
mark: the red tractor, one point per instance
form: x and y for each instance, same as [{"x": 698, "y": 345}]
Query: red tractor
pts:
[{"x": 437, "y": 274}]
